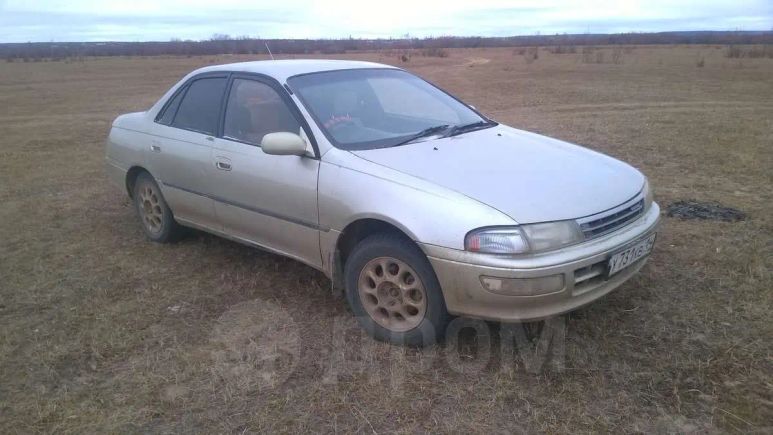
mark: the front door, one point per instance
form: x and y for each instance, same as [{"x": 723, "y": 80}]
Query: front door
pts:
[{"x": 266, "y": 199}]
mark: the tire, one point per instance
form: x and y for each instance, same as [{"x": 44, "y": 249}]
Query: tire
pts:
[
  {"x": 394, "y": 293},
  {"x": 154, "y": 214}
]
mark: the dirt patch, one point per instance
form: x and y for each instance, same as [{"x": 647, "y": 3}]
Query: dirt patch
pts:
[
  {"x": 473, "y": 61},
  {"x": 691, "y": 209}
]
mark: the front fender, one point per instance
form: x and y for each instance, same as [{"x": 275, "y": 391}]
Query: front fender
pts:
[{"x": 351, "y": 188}]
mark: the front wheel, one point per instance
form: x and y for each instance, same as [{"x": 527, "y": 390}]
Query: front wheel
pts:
[{"x": 393, "y": 291}]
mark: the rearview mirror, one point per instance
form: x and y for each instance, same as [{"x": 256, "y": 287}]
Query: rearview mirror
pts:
[{"x": 283, "y": 144}]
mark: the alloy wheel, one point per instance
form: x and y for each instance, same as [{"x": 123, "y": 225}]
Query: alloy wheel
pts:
[
  {"x": 150, "y": 209},
  {"x": 392, "y": 294}
]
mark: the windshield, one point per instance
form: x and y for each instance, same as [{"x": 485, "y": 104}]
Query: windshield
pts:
[{"x": 363, "y": 109}]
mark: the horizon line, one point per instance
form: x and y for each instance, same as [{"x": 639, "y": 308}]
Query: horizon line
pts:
[{"x": 226, "y": 37}]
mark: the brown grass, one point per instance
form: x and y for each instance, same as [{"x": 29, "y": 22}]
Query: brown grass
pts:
[{"x": 102, "y": 331}]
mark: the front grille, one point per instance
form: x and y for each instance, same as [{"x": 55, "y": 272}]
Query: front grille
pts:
[{"x": 606, "y": 223}]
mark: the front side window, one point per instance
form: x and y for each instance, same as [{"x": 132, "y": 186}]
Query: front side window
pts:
[
  {"x": 255, "y": 109},
  {"x": 200, "y": 107},
  {"x": 375, "y": 108}
]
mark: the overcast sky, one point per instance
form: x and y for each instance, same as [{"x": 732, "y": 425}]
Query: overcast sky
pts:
[{"x": 161, "y": 20}]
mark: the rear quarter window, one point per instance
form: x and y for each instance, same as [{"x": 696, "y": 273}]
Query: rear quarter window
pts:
[{"x": 169, "y": 111}]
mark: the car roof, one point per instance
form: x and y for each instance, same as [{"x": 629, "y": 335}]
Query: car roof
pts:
[{"x": 283, "y": 69}]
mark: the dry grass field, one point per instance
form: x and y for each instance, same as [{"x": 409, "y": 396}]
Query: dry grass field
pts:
[{"x": 103, "y": 331}]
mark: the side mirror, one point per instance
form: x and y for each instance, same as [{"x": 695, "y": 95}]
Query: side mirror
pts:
[{"x": 283, "y": 144}]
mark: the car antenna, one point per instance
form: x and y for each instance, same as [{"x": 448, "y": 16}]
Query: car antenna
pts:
[{"x": 269, "y": 51}]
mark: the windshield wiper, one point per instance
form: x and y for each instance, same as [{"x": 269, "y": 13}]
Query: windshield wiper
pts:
[
  {"x": 459, "y": 129},
  {"x": 424, "y": 133}
]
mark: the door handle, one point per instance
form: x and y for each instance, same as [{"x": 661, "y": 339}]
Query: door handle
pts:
[{"x": 223, "y": 166}]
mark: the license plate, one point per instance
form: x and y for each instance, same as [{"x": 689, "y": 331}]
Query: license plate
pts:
[{"x": 625, "y": 258}]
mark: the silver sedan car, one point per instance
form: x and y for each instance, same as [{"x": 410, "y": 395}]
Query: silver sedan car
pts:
[{"x": 414, "y": 203}]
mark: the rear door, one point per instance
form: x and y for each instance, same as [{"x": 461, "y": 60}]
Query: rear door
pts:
[
  {"x": 267, "y": 199},
  {"x": 180, "y": 155}
]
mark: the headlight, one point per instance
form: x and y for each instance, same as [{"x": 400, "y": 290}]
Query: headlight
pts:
[
  {"x": 508, "y": 240},
  {"x": 524, "y": 238},
  {"x": 647, "y": 195},
  {"x": 552, "y": 235}
]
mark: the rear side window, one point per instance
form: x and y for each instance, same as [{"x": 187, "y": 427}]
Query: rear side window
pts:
[
  {"x": 171, "y": 108},
  {"x": 200, "y": 107}
]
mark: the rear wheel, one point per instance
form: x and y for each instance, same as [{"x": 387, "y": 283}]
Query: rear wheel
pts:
[
  {"x": 393, "y": 291},
  {"x": 155, "y": 216}
]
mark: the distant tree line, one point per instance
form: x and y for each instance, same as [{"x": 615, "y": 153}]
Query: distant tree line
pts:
[{"x": 225, "y": 44}]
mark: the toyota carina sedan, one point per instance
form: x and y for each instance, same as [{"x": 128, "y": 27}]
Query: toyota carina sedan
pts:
[{"x": 414, "y": 203}]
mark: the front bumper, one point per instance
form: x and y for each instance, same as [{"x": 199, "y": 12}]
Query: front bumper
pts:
[{"x": 581, "y": 266}]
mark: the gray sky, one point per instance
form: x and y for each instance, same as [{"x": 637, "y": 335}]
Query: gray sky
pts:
[{"x": 161, "y": 20}]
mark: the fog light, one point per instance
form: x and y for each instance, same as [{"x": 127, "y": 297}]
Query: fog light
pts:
[{"x": 523, "y": 286}]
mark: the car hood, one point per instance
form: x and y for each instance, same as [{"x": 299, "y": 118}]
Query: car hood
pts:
[{"x": 529, "y": 177}]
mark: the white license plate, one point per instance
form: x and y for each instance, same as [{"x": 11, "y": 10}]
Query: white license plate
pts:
[{"x": 625, "y": 258}]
